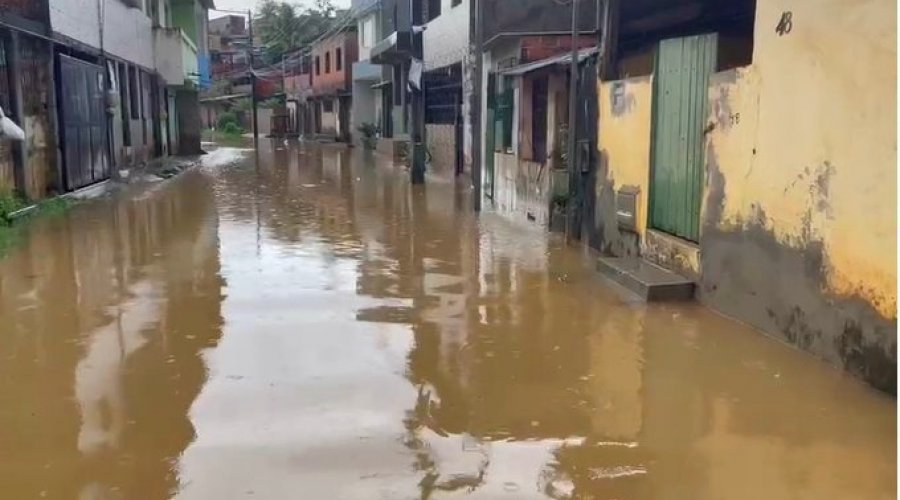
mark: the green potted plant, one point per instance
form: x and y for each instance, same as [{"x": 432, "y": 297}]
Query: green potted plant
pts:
[
  {"x": 558, "y": 212},
  {"x": 369, "y": 133}
]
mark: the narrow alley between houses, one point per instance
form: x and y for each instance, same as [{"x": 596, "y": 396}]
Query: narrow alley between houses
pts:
[{"x": 301, "y": 322}]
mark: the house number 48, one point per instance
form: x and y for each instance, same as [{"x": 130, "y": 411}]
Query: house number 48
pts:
[{"x": 785, "y": 24}]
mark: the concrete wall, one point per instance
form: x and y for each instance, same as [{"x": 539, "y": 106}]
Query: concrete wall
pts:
[
  {"x": 367, "y": 34},
  {"x": 363, "y": 109},
  {"x": 127, "y": 31},
  {"x": 523, "y": 189},
  {"x": 441, "y": 142},
  {"x": 169, "y": 59},
  {"x": 446, "y": 41},
  {"x": 799, "y": 219},
  {"x": 798, "y": 224},
  {"x": 625, "y": 111}
]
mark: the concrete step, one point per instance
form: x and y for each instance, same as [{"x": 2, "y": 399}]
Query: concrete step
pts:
[{"x": 649, "y": 281}]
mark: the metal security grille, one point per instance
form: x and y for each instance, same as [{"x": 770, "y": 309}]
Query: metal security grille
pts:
[{"x": 443, "y": 95}]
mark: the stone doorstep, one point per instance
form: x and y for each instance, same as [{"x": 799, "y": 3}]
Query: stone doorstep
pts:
[
  {"x": 671, "y": 252},
  {"x": 649, "y": 281}
]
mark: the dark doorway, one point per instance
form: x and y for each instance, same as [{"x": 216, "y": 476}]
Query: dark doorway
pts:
[{"x": 539, "y": 115}]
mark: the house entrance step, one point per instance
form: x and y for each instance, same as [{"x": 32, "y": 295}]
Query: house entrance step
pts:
[{"x": 649, "y": 281}]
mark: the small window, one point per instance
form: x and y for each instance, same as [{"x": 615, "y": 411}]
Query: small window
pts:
[
  {"x": 318, "y": 66},
  {"x": 434, "y": 9},
  {"x": 337, "y": 59},
  {"x": 327, "y": 62}
]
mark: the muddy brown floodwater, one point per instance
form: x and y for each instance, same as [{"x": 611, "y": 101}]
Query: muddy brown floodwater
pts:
[{"x": 314, "y": 328}]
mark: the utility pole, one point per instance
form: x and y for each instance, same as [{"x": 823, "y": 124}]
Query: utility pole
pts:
[
  {"x": 417, "y": 107},
  {"x": 573, "y": 123},
  {"x": 478, "y": 100},
  {"x": 253, "y": 98}
]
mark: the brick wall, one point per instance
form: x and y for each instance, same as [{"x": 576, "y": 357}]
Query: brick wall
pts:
[
  {"x": 535, "y": 48},
  {"x": 35, "y": 10},
  {"x": 335, "y": 79}
]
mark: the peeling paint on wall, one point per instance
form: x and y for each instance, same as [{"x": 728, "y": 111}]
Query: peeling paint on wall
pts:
[
  {"x": 799, "y": 221},
  {"x": 623, "y": 139}
]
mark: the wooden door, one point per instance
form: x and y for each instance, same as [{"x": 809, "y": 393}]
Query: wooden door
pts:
[{"x": 683, "y": 66}]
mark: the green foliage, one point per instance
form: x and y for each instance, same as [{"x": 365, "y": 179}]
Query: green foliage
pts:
[
  {"x": 9, "y": 203},
  {"x": 369, "y": 131},
  {"x": 560, "y": 200},
  {"x": 271, "y": 103},
  {"x": 11, "y": 230},
  {"x": 284, "y": 27},
  {"x": 242, "y": 104},
  {"x": 54, "y": 206},
  {"x": 232, "y": 128},
  {"x": 225, "y": 119}
]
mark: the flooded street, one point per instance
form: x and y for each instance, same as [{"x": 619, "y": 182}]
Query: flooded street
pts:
[{"x": 310, "y": 326}]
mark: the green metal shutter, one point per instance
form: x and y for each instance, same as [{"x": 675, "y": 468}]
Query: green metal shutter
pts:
[{"x": 683, "y": 66}]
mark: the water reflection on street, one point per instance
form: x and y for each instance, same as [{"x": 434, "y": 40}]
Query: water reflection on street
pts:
[{"x": 303, "y": 323}]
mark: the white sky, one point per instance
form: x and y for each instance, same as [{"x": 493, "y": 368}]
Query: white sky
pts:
[{"x": 243, "y": 5}]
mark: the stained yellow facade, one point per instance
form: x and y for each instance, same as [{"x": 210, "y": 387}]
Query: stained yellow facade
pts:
[
  {"x": 798, "y": 221},
  {"x": 625, "y": 111},
  {"x": 806, "y": 135}
]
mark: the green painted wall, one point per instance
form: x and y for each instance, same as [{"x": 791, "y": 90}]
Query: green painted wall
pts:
[{"x": 184, "y": 15}]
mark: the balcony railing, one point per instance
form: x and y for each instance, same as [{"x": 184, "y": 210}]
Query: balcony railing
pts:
[{"x": 176, "y": 57}]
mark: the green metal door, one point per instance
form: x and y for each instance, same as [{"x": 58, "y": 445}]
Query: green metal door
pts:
[{"x": 683, "y": 66}]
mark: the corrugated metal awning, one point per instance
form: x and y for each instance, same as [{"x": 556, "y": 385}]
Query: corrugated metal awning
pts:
[{"x": 563, "y": 60}]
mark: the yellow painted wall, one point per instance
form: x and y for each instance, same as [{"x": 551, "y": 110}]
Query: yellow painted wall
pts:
[
  {"x": 807, "y": 134},
  {"x": 624, "y": 135}
]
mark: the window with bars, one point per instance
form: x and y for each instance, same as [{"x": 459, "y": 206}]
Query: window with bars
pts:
[{"x": 434, "y": 9}]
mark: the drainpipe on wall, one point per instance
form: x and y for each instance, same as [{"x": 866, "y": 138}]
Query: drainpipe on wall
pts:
[
  {"x": 573, "y": 125},
  {"x": 110, "y": 143},
  {"x": 477, "y": 101},
  {"x": 20, "y": 149}
]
